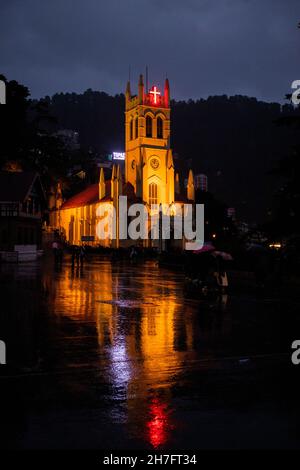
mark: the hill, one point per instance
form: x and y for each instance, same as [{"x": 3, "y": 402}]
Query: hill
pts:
[{"x": 234, "y": 140}]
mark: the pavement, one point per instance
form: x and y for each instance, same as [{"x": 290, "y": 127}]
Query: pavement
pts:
[{"x": 119, "y": 356}]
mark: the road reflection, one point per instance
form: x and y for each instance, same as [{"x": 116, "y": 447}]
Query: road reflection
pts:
[
  {"x": 146, "y": 331},
  {"x": 158, "y": 424},
  {"x": 125, "y": 347}
]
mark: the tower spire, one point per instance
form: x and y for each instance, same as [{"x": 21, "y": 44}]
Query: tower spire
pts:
[
  {"x": 191, "y": 187},
  {"x": 141, "y": 89}
]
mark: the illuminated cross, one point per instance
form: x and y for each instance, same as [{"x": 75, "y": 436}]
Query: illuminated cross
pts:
[{"x": 155, "y": 94}]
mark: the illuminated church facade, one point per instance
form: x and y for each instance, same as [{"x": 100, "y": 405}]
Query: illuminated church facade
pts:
[{"x": 149, "y": 177}]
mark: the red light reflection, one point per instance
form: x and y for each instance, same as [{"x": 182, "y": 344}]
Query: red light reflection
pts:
[{"x": 158, "y": 424}]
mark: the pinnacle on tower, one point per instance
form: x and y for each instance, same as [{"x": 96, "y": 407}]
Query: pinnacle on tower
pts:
[
  {"x": 141, "y": 89},
  {"x": 58, "y": 196},
  {"x": 119, "y": 180},
  {"x": 58, "y": 189},
  {"x": 167, "y": 93},
  {"x": 101, "y": 184},
  {"x": 128, "y": 90},
  {"x": 119, "y": 173},
  {"x": 191, "y": 187},
  {"x": 113, "y": 177}
]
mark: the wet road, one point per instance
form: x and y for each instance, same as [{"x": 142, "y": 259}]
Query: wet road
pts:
[{"x": 120, "y": 356}]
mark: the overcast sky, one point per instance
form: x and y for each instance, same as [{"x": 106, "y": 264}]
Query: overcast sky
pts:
[{"x": 207, "y": 47}]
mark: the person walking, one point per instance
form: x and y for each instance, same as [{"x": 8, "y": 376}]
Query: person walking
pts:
[
  {"x": 55, "y": 250},
  {"x": 81, "y": 254},
  {"x": 221, "y": 275}
]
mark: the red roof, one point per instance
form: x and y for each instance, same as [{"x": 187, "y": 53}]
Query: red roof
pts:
[{"x": 90, "y": 195}]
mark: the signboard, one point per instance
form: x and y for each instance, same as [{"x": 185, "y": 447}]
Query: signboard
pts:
[
  {"x": 118, "y": 155},
  {"x": 87, "y": 238}
]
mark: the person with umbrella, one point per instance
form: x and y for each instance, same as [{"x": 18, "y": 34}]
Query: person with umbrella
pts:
[{"x": 220, "y": 274}]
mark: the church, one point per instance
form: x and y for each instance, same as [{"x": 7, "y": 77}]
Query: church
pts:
[{"x": 150, "y": 177}]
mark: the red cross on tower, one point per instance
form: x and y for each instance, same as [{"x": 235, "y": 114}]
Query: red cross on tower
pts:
[{"x": 154, "y": 91}]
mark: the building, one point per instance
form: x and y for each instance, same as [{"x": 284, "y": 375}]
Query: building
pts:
[
  {"x": 22, "y": 202},
  {"x": 231, "y": 213},
  {"x": 69, "y": 137},
  {"x": 149, "y": 175},
  {"x": 149, "y": 163},
  {"x": 201, "y": 182}
]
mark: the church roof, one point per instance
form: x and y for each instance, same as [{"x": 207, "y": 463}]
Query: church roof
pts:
[
  {"x": 85, "y": 197},
  {"x": 90, "y": 195}
]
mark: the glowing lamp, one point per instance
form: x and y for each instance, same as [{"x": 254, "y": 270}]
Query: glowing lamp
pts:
[{"x": 275, "y": 246}]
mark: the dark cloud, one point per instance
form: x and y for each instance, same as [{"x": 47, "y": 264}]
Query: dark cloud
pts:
[{"x": 205, "y": 46}]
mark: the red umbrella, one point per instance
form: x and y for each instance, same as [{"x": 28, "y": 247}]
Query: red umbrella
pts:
[{"x": 223, "y": 254}]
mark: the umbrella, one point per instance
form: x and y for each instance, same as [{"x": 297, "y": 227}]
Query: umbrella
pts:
[
  {"x": 224, "y": 255},
  {"x": 207, "y": 248}
]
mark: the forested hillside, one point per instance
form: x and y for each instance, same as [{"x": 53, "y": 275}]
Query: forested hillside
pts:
[{"x": 234, "y": 140}]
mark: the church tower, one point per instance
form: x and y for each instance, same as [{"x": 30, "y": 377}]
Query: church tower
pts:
[{"x": 149, "y": 163}]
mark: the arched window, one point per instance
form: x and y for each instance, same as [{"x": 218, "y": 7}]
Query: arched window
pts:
[
  {"x": 148, "y": 126},
  {"x": 131, "y": 130},
  {"x": 136, "y": 127},
  {"x": 153, "y": 193},
  {"x": 160, "y": 124}
]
